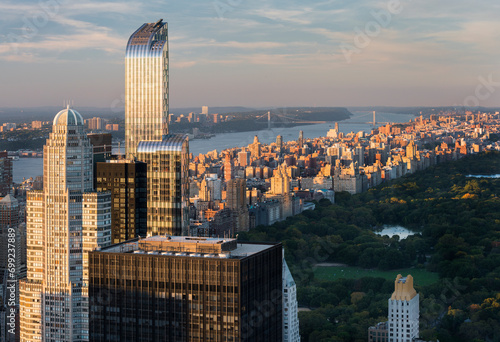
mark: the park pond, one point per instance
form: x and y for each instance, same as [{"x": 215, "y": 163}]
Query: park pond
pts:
[
  {"x": 390, "y": 231},
  {"x": 484, "y": 176}
]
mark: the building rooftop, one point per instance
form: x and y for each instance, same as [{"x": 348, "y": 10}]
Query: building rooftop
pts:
[
  {"x": 403, "y": 288},
  {"x": 68, "y": 117},
  {"x": 185, "y": 246},
  {"x": 149, "y": 40},
  {"x": 9, "y": 199},
  {"x": 123, "y": 161},
  {"x": 288, "y": 276},
  {"x": 169, "y": 143},
  {"x": 246, "y": 249},
  {"x": 145, "y": 33}
]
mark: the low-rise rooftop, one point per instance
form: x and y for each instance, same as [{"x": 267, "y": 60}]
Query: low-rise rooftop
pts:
[{"x": 185, "y": 246}]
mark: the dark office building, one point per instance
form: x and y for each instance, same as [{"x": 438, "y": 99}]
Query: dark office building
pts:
[
  {"x": 101, "y": 145},
  {"x": 5, "y": 173},
  {"x": 186, "y": 289},
  {"x": 101, "y": 149},
  {"x": 127, "y": 182}
]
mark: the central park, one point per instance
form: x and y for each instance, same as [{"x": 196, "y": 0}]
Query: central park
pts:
[{"x": 345, "y": 272}]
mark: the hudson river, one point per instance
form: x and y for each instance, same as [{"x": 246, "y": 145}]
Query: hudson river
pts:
[{"x": 32, "y": 167}]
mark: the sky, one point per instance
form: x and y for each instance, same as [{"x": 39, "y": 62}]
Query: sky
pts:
[{"x": 257, "y": 53}]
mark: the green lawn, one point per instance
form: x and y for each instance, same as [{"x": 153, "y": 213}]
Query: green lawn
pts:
[{"x": 420, "y": 276}]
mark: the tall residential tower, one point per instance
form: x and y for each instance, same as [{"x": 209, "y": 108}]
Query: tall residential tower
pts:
[
  {"x": 146, "y": 130},
  {"x": 146, "y": 85},
  {"x": 64, "y": 222},
  {"x": 403, "y": 317}
]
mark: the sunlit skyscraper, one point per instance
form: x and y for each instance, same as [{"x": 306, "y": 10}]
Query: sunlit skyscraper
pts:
[
  {"x": 146, "y": 85},
  {"x": 404, "y": 313},
  {"x": 168, "y": 184},
  {"x": 146, "y": 130},
  {"x": 64, "y": 222}
]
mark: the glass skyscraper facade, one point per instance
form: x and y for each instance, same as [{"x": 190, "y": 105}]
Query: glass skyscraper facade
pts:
[
  {"x": 146, "y": 86},
  {"x": 168, "y": 184},
  {"x": 186, "y": 289},
  {"x": 127, "y": 181}
]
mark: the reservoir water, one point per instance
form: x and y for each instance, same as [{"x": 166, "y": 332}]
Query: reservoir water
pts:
[
  {"x": 32, "y": 167},
  {"x": 390, "y": 231},
  {"x": 484, "y": 176}
]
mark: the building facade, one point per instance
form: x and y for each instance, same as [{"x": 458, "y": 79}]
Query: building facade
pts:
[
  {"x": 101, "y": 149},
  {"x": 12, "y": 227},
  {"x": 5, "y": 173},
  {"x": 403, "y": 316},
  {"x": 378, "y": 333},
  {"x": 228, "y": 168},
  {"x": 9, "y": 212},
  {"x": 236, "y": 200},
  {"x": 290, "y": 306},
  {"x": 64, "y": 221},
  {"x": 168, "y": 184},
  {"x": 127, "y": 181},
  {"x": 186, "y": 289},
  {"x": 146, "y": 85}
]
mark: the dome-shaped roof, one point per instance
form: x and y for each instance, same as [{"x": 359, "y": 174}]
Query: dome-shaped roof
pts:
[{"x": 68, "y": 117}]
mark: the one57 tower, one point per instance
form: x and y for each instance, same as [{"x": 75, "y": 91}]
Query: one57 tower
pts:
[{"x": 146, "y": 86}]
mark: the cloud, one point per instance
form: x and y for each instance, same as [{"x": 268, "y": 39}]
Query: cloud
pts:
[
  {"x": 85, "y": 7},
  {"x": 293, "y": 16},
  {"x": 478, "y": 35},
  {"x": 429, "y": 42},
  {"x": 54, "y": 33},
  {"x": 183, "y": 64},
  {"x": 71, "y": 8},
  {"x": 212, "y": 43},
  {"x": 89, "y": 38},
  {"x": 334, "y": 36}
]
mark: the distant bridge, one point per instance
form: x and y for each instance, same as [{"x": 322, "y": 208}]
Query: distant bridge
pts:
[{"x": 282, "y": 118}]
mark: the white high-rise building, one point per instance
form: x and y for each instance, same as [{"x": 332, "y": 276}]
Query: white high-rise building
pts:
[
  {"x": 290, "y": 307},
  {"x": 64, "y": 222},
  {"x": 403, "y": 316}
]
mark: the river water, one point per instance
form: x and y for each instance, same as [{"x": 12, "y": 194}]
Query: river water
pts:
[{"x": 32, "y": 167}]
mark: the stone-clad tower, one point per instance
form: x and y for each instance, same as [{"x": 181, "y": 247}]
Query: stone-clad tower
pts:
[
  {"x": 64, "y": 222},
  {"x": 403, "y": 313}
]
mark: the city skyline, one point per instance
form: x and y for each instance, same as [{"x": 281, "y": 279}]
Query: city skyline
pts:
[
  {"x": 155, "y": 242},
  {"x": 257, "y": 54}
]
